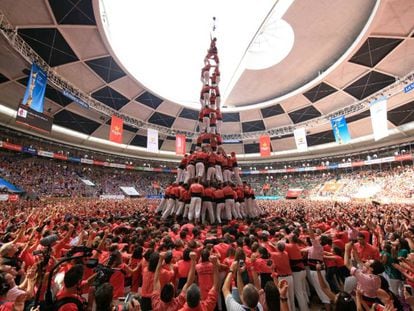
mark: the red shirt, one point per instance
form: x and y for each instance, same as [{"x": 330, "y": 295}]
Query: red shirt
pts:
[
  {"x": 69, "y": 306},
  {"x": 183, "y": 267},
  {"x": 147, "y": 283},
  {"x": 367, "y": 252},
  {"x": 281, "y": 263},
  {"x": 196, "y": 189},
  {"x": 173, "y": 305},
  {"x": 205, "y": 277}
]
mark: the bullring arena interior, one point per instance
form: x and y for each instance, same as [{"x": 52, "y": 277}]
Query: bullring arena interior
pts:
[{"x": 206, "y": 155}]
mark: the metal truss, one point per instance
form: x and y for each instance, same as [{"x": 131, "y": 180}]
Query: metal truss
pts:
[{"x": 59, "y": 83}]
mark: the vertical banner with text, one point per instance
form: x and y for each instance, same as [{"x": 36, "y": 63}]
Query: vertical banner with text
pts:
[
  {"x": 265, "y": 146},
  {"x": 180, "y": 144},
  {"x": 152, "y": 140},
  {"x": 340, "y": 130},
  {"x": 300, "y": 139},
  {"x": 30, "y": 110},
  {"x": 378, "y": 110},
  {"x": 117, "y": 127}
]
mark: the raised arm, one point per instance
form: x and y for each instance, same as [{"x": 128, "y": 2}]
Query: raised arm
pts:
[
  {"x": 157, "y": 284},
  {"x": 191, "y": 273},
  {"x": 227, "y": 282}
]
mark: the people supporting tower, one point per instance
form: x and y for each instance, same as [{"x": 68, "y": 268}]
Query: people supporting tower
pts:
[{"x": 208, "y": 186}]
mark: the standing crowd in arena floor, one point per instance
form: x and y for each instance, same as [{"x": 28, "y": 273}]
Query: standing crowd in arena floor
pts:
[{"x": 297, "y": 255}]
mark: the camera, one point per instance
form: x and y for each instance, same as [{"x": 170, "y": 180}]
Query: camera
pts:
[
  {"x": 128, "y": 299},
  {"x": 103, "y": 273},
  {"x": 241, "y": 263}
]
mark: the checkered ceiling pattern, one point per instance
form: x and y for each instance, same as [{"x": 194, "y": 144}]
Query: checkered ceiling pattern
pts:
[{"x": 65, "y": 34}]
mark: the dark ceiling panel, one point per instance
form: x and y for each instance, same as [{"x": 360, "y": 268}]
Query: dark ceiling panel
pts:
[
  {"x": 106, "y": 68},
  {"x": 272, "y": 111},
  {"x": 149, "y": 100},
  {"x": 231, "y": 117},
  {"x": 75, "y": 122},
  {"x": 369, "y": 84},
  {"x": 189, "y": 114},
  {"x": 110, "y": 97},
  {"x": 359, "y": 116},
  {"x": 304, "y": 114},
  {"x": 402, "y": 115},
  {"x": 253, "y": 126},
  {"x": 73, "y": 12},
  {"x": 318, "y": 92},
  {"x": 139, "y": 140},
  {"x": 3, "y": 78},
  {"x": 251, "y": 148},
  {"x": 374, "y": 50},
  {"x": 161, "y": 119},
  {"x": 49, "y": 44},
  {"x": 320, "y": 138}
]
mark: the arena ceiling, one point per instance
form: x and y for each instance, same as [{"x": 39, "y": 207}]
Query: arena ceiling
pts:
[{"x": 344, "y": 52}]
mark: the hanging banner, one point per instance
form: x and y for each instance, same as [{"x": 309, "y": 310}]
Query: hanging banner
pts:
[
  {"x": 379, "y": 121},
  {"x": 340, "y": 130},
  {"x": 300, "y": 139},
  {"x": 265, "y": 146},
  {"x": 35, "y": 90},
  {"x": 115, "y": 133},
  {"x": 152, "y": 140},
  {"x": 30, "y": 111},
  {"x": 180, "y": 144}
]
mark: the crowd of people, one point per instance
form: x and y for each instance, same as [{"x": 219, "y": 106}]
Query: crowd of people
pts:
[{"x": 298, "y": 255}]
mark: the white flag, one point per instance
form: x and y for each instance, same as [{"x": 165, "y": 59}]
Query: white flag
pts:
[
  {"x": 379, "y": 121},
  {"x": 300, "y": 139},
  {"x": 152, "y": 140}
]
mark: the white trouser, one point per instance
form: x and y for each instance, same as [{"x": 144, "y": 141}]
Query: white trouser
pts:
[
  {"x": 180, "y": 208},
  {"x": 207, "y": 206},
  {"x": 237, "y": 209},
  {"x": 206, "y": 125},
  {"x": 190, "y": 173},
  {"x": 218, "y": 126},
  {"x": 199, "y": 169},
  {"x": 229, "y": 205},
  {"x": 195, "y": 208},
  {"x": 219, "y": 208},
  {"x": 242, "y": 208},
  {"x": 180, "y": 175},
  {"x": 219, "y": 174},
  {"x": 162, "y": 205},
  {"x": 316, "y": 285},
  {"x": 299, "y": 281},
  {"x": 169, "y": 210},
  {"x": 291, "y": 290},
  {"x": 249, "y": 207},
  {"x": 227, "y": 175},
  {"x": 236, "y": 171},
  {"x": 211, "y": 172}
]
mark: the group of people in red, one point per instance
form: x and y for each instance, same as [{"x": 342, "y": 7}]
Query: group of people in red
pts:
[{"x": 350, "y": 255}]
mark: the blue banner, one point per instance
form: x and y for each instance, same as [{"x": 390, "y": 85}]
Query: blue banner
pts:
[
  {"x": 340, "y": 130},
  {"x": 154, "y": 196},
  {"x": 35, "y": 90},
  {"x": 10, "y": 187},
  {"x": 29, "y": 150},
  {"x": 409, "y": 87},
  {"x": 268, "y": 197},
  {"x": 76, "y": 160}
]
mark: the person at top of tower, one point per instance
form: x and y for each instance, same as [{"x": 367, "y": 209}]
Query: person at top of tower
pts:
[{"x": 212, "y": 52}]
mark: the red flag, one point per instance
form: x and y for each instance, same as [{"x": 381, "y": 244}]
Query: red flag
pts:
[
  {"x": 264, "y": 146},
  {"x": 115, "y": 134},
  {"x": 180, "y": 144}
]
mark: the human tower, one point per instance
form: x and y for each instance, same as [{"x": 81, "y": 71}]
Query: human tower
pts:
[{"x": 208, "y": 186}]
